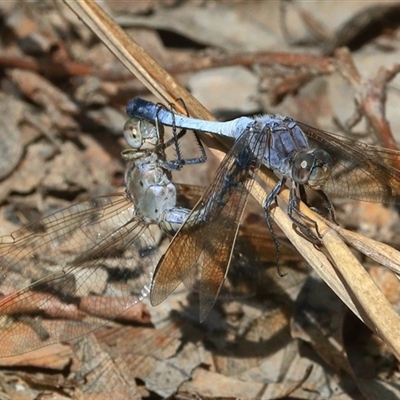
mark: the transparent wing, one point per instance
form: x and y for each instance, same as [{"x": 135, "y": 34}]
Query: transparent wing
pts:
[
  {"x": 89, "y": 263},
  {"x": 361, "y": 171},
  {"x": 253, "y": 263},
  {"x": 253, "y": 271},
  {"x": 203, "y": 246}
]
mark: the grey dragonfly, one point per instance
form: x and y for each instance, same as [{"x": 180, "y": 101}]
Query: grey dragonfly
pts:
[
  {"x": 94, "y": 260},
  {"x": 300, "y": 155}
]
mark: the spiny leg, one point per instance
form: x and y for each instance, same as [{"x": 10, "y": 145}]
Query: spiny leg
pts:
[
  {"x": 293, "y": 207},
  {"x": 327, "y": 203},
  {"x": 267, "y": 206},
  {"x": 174, "y": 141}
]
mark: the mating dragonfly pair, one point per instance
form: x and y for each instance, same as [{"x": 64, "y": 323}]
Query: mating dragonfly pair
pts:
[{"x": 113, "y": 241}]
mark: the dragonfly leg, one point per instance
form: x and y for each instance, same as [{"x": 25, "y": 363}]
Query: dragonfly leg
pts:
[
  {"x": 174, "y": 141},
  {"x": 203, "y": 157},
  {"x": 293, "y": 207},
  {"x": 328, "y": 204},
  {"x": 267, "y": 206}
]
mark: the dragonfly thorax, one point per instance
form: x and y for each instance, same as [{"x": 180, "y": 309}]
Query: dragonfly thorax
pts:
[
  {"x": 312, "y": 168},
  {"x": 149, "y": 187}
]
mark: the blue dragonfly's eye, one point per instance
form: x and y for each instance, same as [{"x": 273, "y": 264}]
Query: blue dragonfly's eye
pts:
[
  {"x": 322, "y": 156},
  {"x": 302, "y": 167},
  {"x": 312, "y": 168}
]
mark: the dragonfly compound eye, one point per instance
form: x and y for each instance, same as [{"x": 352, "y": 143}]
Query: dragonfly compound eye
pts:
[
  {"x": 321, "y": 169},
  {"x": 132, "y": 133},
  {"x": 312, "y": 168},
  {"x": 302, "y": 167}
]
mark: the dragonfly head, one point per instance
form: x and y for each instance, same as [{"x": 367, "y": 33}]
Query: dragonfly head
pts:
[
  {"x": 140, "y": 134},
  {"x": 312, "y": 168}
]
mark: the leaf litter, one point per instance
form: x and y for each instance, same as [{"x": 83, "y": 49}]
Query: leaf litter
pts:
[{"x": 63, "y": 110}]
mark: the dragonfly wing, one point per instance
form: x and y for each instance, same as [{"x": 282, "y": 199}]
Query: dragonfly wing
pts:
[
  {"x": 253, "y": 264},
  {"x": 174, "y": 265},
  {"x": 360, "y": 171},
  {"x": 210, "y": 230},
  {"x": 85, "y": 262}
]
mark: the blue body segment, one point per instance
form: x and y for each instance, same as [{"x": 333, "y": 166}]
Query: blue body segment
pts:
[{"x": 284, "y": 136}]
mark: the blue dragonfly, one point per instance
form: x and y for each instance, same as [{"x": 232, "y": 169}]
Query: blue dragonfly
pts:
[{"x": 298, "y": 154}]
